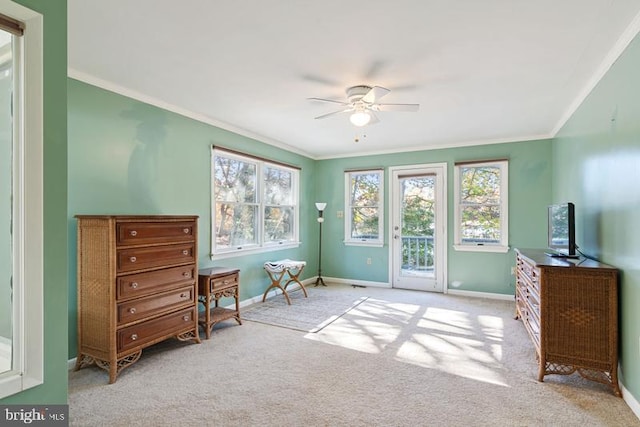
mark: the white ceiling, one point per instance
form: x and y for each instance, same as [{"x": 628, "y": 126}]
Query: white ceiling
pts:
[{"x": 482, "y": 71}]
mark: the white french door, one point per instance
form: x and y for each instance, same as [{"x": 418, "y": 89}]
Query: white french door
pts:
[{"x": 418, "y": 227}]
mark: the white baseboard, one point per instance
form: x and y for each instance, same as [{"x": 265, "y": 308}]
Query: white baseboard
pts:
[
  {"x": 505, "y": 297},
  {"x": 365, "y": 283},
  {"x": 630, "y": 400}
]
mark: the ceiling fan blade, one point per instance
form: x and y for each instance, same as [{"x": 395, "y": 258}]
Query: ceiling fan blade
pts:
[
  {"x": 328, "y": 100},
  {"x": 374, "y": 118},
  {"x": 374, "y": 94},
  {"x": 324, "y": 116},
  {"x": 397, "y": 107}
]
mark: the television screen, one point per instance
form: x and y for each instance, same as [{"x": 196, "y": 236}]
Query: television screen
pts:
[{"x": 561, "y": 230}]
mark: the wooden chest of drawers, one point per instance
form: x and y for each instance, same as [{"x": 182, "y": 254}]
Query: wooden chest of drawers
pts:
[
  {"x": 570, "y": 310},
  {"x": 137, "y": 286}
]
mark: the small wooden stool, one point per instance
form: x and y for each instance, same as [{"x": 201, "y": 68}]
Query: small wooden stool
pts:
[{"x": 278, "y": 270}]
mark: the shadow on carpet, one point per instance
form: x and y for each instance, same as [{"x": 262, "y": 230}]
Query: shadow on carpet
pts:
[{"x": 312, "y": 314}]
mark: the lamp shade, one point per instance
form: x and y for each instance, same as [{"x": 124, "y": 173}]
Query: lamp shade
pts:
[
  {"x": 360, "y": 118},
  {"x": 320, "y": 206}
]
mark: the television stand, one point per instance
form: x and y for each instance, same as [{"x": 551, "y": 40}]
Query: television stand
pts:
[
  {"x": 558, "y": 255},
  {"x": 571, "y": 315}
]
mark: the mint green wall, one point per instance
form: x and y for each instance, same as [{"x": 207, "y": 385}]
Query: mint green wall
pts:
[
  {"x": 529, "y": 194},
  {"x": 596, "y": 164},
  {"x": 54, "y": 389},
  {"x": 127, "y": 157}
]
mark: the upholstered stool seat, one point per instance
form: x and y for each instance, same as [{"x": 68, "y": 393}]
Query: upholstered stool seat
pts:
[{"x": 284, "y": 269}]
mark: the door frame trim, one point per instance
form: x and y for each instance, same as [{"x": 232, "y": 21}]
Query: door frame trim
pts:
[{"x": 444, "y": 225}]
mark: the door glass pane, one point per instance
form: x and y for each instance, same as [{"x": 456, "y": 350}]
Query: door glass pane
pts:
[
  {"x": 417, "y": 217},
  {"x": 6, "y": 184}
]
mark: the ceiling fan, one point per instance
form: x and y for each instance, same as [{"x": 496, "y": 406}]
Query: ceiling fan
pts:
[{"x": 362, "y": 103}]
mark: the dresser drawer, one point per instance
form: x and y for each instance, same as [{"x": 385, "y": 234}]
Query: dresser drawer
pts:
[
  {"x": 143, "y": 233},
  {"x": 155, "y": 256},
  {"x": 530, "y": 274},
  {"x": 217, "y": 283},
  {"x": 146, "y": 332},
  {"x": 141, "y": 284},
  {"x": 153, "y": 305}
]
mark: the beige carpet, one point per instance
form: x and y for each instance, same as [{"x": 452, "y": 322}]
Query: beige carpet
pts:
[
  {"x": 320, "y": 308},
  {"x": 400, "y": 358}
]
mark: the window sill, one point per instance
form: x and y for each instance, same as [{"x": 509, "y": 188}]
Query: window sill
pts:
[
  {"x": 253, "y": 251},
  {"x": 481, "y": 248},
  {"x": 376, "y": 244}
]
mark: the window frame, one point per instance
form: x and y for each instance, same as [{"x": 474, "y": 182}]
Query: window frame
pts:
[
  {"x": 28, "y": 230},
  {"x": 348, "y": 240},
  {"x": 260, "y": 245},
  {"x": 503, "y": 245}
]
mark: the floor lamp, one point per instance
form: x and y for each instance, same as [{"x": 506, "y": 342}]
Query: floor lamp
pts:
[{"x": 320, "y": 207}]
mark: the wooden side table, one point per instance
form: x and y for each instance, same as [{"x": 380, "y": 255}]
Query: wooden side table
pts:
[{"x": 215, "y": 283}]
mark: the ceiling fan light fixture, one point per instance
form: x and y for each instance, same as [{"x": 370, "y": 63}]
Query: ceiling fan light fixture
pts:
[{"x": 360, "y": 118}]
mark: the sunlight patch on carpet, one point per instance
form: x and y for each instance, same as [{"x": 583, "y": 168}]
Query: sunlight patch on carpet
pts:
[
  {"x": 447, "y": 340},
  {"x": 369, "y": 327}
]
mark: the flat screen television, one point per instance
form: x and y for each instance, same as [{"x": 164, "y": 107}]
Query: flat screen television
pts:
[{"x": 561, "y": 231}]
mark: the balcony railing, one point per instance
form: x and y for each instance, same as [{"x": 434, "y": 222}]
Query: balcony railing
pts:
[{"x": 417, "y": 253}]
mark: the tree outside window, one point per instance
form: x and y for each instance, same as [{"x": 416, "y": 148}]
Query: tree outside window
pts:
[
  {"x": 481, "y": 206},
  {"x": 418, "y": 221},
  {"x": 363, "y": 220},
  {"x": 254, "y": 204},
  {"x": 279, "y": 204}
]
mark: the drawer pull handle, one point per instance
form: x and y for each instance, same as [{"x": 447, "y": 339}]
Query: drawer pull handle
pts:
[
  {"x": 134, "y": 285},
  {"x": 226, "y": 282},
  {"x": 132, "y": 310},
  {"x": 186, "y": 230},
  {"x": 133, "y": 233},
  {"x": 187, "y": 274},
  {"x": 134, "y": 337},
  {"x": 183, "y": 295},
  {"x": 133, "y": 259},
  {"x": 185, "y": 252},
  {"x": 185, "y": 317}
]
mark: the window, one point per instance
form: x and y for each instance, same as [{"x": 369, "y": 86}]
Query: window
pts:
[
  {"x": 255, "y": 204},
  {"x": 481, "y": 206},
  {"x": 363, "y": 201},
  {"x": 21, "y": 199}
]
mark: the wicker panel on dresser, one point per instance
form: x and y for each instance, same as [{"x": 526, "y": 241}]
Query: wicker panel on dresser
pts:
[
  {"x": 570, "y": 309},
  {"x": 137, "y": 286}
]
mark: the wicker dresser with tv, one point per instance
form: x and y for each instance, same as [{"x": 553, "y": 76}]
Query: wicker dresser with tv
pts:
[
  {"x": 569, "y": 307},
  {"x": 137, "y": 285}
]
